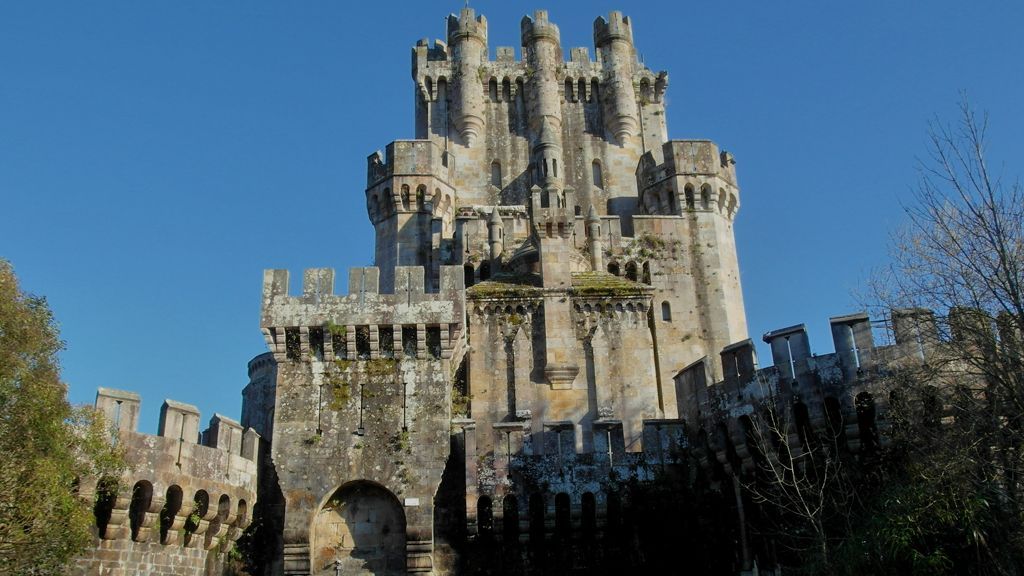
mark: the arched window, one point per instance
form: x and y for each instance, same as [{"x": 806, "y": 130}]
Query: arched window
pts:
[
  {"x": 647, "y": 273},
  {"x": 172, "y": 504},
  {"x": 200, "y": 506},
  {"x": 536, "y": 517},
  {"x": 666, "y": 311},
  {"x": 467, "y": 271},
  {"x": 834, "y": 416},
  {"x": 421, "y": 196},
  {"x": 506, "y": 90},
  {"x": 613, "y": 268},
  {"x": 631, "y": 271},
  {"x": 563, "y": 516},
  {"x": 688, "y": 191},
  {"x": 588, "y": 510},
  {"x": 430, "y": 87},
  {"x": 568, "y": 90},
  {"x": 142, "y": 497},
  {"x": 485, "y": 271},
  {"x": 597, "y": 174},
  {"x": 593, "y": 90},
  {"x": 510, "y": 518},
  {"x": 242, "y": 513},
  {"x": 705, "y": 197},
  {"x": 803, "y": 425},
  {"x": 613, "y": 515},
  {"x": 865, "y": 403},
  {"x": 405, "y": 196},
  {"x": 496, "y": 174},
  {"x": 492, "y": 89},
  {"x": 581, "y": 90},
  {"x": 103, "y": 508},
  {"x": 484, "y": 516}
]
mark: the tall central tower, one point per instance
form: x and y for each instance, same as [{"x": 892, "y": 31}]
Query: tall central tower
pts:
[{"x": 546, "y": 262}]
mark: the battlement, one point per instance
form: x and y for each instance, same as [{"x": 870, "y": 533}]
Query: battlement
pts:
[
  {"x": 843, "y": 391},
  {"x": 179, "y": 497},
  {"x": 407, "y": 158},
  {"x": 178, "y": 421},
  {"x": 467, "y": 25},
  {"x": 538, "y": 28},
  {"x": 616, "y": 27},
  {"x": 688, "y": 158},
  {"x": 320, "y": 324}
]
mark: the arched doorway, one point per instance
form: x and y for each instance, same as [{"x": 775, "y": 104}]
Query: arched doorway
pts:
[{"x": 362, "y": 525}]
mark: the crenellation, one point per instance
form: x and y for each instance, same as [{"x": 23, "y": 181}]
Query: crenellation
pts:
[{"x": 145, "y": 517}]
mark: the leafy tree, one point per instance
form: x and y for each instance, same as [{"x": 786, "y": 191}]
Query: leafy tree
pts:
[{"x": 46, "y": 445}]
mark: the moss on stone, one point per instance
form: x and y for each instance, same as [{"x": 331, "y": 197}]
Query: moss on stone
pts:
[{"x": 605, "y": 284}]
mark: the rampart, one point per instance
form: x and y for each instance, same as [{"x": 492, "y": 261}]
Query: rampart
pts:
[{"x": 184, "y": 499}]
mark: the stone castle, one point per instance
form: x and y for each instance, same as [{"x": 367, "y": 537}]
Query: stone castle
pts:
[{"x": 554, "y": 319}]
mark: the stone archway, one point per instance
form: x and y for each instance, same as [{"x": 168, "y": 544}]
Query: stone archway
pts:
[{"x": 362, "y": 525}]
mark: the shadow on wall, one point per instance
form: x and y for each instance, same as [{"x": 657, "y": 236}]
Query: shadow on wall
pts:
[{"x": 362, "y": 526}]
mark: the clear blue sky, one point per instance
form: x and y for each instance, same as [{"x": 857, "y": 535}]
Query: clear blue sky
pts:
[{"x": 155, "y": 157}]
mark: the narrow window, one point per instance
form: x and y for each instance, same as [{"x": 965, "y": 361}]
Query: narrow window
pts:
[
  {"x": 631, "y": 271},
  {"x": 666, "y": 311},
  {"x": 581, "y": 89},
  {"x": 588, "y": 510},
  {"x": 510, "y": 518},
  {"x": 362, "y": 342},
  {"x": 409, "y": 341},
  {"x": 484, "y": 516},
  {"x": 492, "y": 89},
  {"x": 200, "y": 505},
  {"x": 467, "y": 272},
  {"x": 496, "y": 174},
  {"x": 705, "y": 197},
  {"x": 563, "y": 516},
  {"x": 689, "y": 197},
  {"x": 142, "y": 496},
  {"x": 866, "y": 421},
  {"x": 506, "y": 90},
  {"x": 106, "y": 497},
  {"x": 316, "y": 343},
  {"x": 292, "y": 344},
  {"x": 613, "y": 268},
  {"x": 485, "y": 271},
  {"x": 568, "y": 90},
  {"x": 338, "y": 343},
  {"x": 172, "y": 504},
  {"x": 536, "y": 518},
  {"x": 434, "y": 341},
  {"x": 386, "y": 338},
  {"x": 597, "y": 174}
]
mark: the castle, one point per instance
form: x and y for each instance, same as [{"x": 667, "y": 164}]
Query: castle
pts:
[{"x": 554, "y": 316}]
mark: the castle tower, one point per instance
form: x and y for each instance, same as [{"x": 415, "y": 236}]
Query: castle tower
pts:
[
  {"x": 467, "y": 40},
  {"x": 543, "y": 52},
  {"x": 410, "y": 203},
  {"x": 614, "y": 40}
]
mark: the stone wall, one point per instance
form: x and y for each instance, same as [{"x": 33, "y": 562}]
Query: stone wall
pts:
[{"x": 180, "y": 505}]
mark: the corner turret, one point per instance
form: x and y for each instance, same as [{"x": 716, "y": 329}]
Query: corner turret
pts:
[
  {"x": 467, "y": 39},
  {"x": 613, "y": 39}
]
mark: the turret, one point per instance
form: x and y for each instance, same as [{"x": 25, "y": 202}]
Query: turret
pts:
[
  {"x": 613, "y": 39},
  {"x": 594, "y": 240},
  {"x": 494, "y": 237},
  {"x": 467, "y": 39},
  {"x": 543, "y": 52}
]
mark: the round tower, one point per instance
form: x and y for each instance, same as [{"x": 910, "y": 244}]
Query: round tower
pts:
[
  {"x": 613, "y": 39},
  {"x": 543, "y": 53},
  {"x": 494, "y": 236},
  {"x": 467, "y": 39}
]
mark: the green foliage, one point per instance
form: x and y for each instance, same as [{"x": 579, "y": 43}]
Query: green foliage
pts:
[{"x": 47, "y": 445}]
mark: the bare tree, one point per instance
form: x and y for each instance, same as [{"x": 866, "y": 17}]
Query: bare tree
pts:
[{"x": 962, "y": 256}]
